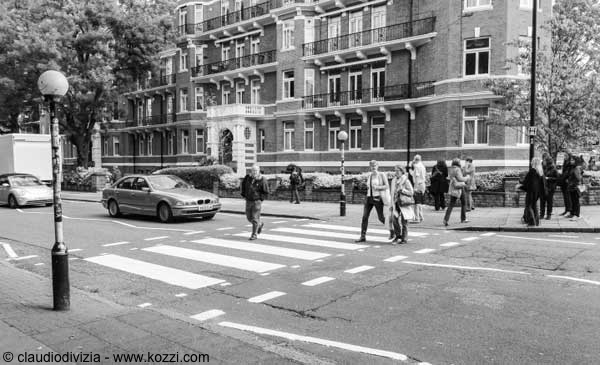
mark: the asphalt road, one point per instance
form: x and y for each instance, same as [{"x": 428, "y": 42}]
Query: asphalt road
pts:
[{"x": 446, "y": 297}]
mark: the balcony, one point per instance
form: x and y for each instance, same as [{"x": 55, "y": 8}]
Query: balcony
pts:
[
  {"x": 150, "y": 120},
  {"x": 234, "y": 17},
  {"x": 229, "y": 110},
  {"x": 187, "y": 29},
  {"x": 360, "y": 98},
  {"x": 397, "y": 36},
  {"x": 155, "y": 82},
  {"x": 232, "y": 64}
]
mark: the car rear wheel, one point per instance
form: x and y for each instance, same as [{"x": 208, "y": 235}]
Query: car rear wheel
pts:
[
  {"x": 12, "y": 202},
  {"x": 113, "y": 208},
  {"x": 164, "y": 213}
]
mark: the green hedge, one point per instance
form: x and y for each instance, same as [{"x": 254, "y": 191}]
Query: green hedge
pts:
[{"x": 201, "y": 177}]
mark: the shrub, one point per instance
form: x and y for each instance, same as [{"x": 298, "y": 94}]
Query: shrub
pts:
[
  {"x": 201, "y": 177},
  {"x": 493, "y": 180},
  {"x": 594, "y": 177},
  {"x": 229, "y": 181}
]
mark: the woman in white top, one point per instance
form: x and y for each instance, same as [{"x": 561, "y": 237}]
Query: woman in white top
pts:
[
  {"x": 400, "y": 187},
  {"x": 378, "y": 188},
  {"x": 419, "y": 173}
]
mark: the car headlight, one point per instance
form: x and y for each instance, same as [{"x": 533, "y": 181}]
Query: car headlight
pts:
[{"x": 179, "y": 203}]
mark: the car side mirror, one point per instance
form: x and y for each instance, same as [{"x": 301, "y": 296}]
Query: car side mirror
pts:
[{"x": 146, "y": 189}]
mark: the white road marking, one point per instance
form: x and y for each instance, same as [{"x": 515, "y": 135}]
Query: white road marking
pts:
[
  {"x": 116, "y": 244},
  {"x": 450, "y": 244},
  {"x": 9, "y": 251},
  {"x": 278, "y": 222},
  {"x": 23, "y": 257},
  {"x": 73, "y": 258},
  {"x": 469, "y": 239},
  {"x": 317, "y": 281},
  {"x": 207, "y": 315},
  {"x": 157, "y": 272},
  {"x": 358, "y": 269},
  {"x": 318, "y": 341},
  {"x": 424, "y": 250},
  {"x": 465, "y": 267},
  {"x": 574, "y": 279},
  {"x": 225, "y": 284},
  {"x": 561, "y": 236},
  {"x": 265, "y": 274},
  {"x": 181, "y": 295},
  {"x": 395, "y": 258},
  {"x": 357, "y": 229},
  {"x": 133, "y": 249},
  {"x": 224, "y": 228},
  {"x": 295, "y": 266},
  {"x": 144, "y": 305},
  {"x": 488, "y": 234},
  {"x": 301, "y": 219},
  {"x": 328, "y": 234},
  {"x": 271, "y": 250},
  {"x": 547, "y": 240},
  {"x": 377, "y": 246},
  {"x": 214, "y": 258},
  {"x": 39, "y": 264},
  {"x": 306, "y": 241},
  {"x": 75, "y": 249},
  {"x": 193, "y": 232},
  {"x": 19, "y": 210},
  {"x": 156, "y": 238},
  {"x": 265, "y": 297}
]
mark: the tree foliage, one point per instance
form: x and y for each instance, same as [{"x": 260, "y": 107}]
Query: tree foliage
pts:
[
  {"x": 99, "y": 45},
  {"x": 567, "y": 81}
]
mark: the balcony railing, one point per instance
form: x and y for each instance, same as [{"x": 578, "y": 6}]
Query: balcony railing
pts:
[
  {"x": 372, "y": 36},
  {"x": 186, "y": 29},
  {"x": 234, "y": 17},
  {"x": 151, "y": 120},
  {"x": 367, "y": 96},
  {"x": 235, "y": 109},
  {"x": 235, "y": 63},
  {"x": 156, "y": 82}
]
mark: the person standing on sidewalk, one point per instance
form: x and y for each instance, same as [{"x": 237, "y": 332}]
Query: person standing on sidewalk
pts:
[
  {"x": 402, "y": 198},
  {"x": 439, "y": 184},
  {"x": 573, "y": 186},
  {"x": 456, "y": 190},
  {"x": 562, "y": 181},
  {"x": 551, "y": 176},
  {"x": 534, "y": 185},
  {"x": 377, "y": 186},
  {"x": 295, "y": 181},
  {"x": 419, "y": 175},
  {"x": 469, "y": 170},
  {"x": 254, "y": 189}
]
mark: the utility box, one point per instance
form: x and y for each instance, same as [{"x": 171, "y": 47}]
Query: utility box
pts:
[{"x": 26, "y": 153}]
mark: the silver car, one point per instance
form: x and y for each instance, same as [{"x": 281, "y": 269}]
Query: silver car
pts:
[
  {"x": 163, "y": 196},
  {"x": 23, "y": 189}
]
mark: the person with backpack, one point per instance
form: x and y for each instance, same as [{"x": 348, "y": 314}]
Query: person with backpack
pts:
[{"x": 296, "y": 180}]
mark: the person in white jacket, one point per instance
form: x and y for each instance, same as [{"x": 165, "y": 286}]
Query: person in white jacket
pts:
[{"x": 418, "y": 174}]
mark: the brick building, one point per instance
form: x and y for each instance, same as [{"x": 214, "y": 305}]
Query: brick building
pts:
[{"x": 273, "y": 82}]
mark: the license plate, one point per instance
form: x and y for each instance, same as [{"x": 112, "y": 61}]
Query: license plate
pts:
[{"x": 205, "y": 207}]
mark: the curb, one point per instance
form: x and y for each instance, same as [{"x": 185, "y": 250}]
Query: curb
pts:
[
  {"x": 81, "y": 200},
  {"x": 531, "y": 229}
]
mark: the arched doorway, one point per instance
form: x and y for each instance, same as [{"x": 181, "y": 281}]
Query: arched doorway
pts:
[{"x": 225, "y": 147}]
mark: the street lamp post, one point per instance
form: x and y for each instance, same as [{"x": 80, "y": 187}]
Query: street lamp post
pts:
[
  {"x": 533, "y": 88},
  {"x": 342, "y": 136},
  {"x": 53, "y": 85}
]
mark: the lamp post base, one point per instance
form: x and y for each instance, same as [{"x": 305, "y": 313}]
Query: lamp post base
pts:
[
  {"x": 342, "y": 205},
  {"x": 60, "y": 279}
]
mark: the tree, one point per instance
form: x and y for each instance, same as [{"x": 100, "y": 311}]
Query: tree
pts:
[
  {"x": 568, "y": 83},
  {"x": 99, "y": 45}
]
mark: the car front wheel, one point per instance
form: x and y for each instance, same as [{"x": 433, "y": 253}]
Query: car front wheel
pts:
[
  {"x": 12, "y": 202},
  {"x": 113, "y": 208},
  {"x": 165, "y": 214}
]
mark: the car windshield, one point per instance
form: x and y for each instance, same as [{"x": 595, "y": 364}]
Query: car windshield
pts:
[
  {"x": 24, "y": 180},
  {"x": 166, "y": 182}
]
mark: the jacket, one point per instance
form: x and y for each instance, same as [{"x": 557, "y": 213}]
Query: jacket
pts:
[
  {"x": 439, "y": 180},
  {"x": 455, "y": 175},
  {"x": 400, "y": 185},
  {"x": 296, "y": 179},
  {"x": 469, "y": 169},
  {"x": 419, "y": 173},
  {"x": 534, "y": 185},
  {"x": 380, "y": 183},
  {"x": 255, "y": 189},
  {"x": 574, "y": 178},
  {"x": 551, "y": 174}
]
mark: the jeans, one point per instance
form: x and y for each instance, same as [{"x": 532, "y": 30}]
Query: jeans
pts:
[
  {"x": 532, "y": 215},
  {"x": 295, "y": 197},
  {"x": 574, "y": 200},
  {"x": 546, "y": 203},
  {"x": 468, "y": 199},
  {"x": 463, "y": 208},
  {"x": 369, "y": 204},
  {"x": 400, "y": 228},
  {"x": 253, "y": 213},
  {"x": 566, "y": 197}
]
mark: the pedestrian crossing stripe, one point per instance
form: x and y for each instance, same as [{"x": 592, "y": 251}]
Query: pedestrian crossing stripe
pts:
[
  {"x": 156, "y": 272},
  {"x": 214, "y": 258},
  {"x": 327, "y": 234},
  {"x": 357, "y": 229},
  {"x": 306, "y": 241},
  {"x": 265, "y": 297},
  {"x": 271, "y": 250},
  {"x": 317, "y": 281}
]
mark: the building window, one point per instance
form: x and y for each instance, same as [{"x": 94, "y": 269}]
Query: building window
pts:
[
  {"x": 104, "y": 146},
  {"x": 199, "y": 140},
  {"x": 261, "y": 141},
  {"x": 170, "y": 143},
  {"x": 255, "y": 92},
  {"x": 255, "y": 45},
  {"x": 240, "y": 89},
  {"x": 309, "y": 135},
  {"x": 288, "y": 84},
  {"x": 288, "y": 35},
  {"x": 334, "y": 128},
  {"x": 355, "y": 134},
  {"x": 225, "y": 96},
  {"x": 475, "y": 127},
  {"x": 478, "y": 4},
  {"x": 288, "y": 136},
  {"x": 182, "y": 19},
  {"x": 239, "y": 49},
  {"x": 199, "y": 94},
  {"x": 199, "y": 57},
  {"x": 224, "y": 53},
  {"x": 148, "y": 108},
  {"x": 524, "y": 46},
  {"x": 149, "y": 145},
  {"x": 185, "y": 141},
  {"x": 198, "y": 13},
  {"x": 309, "y": 82},
  {"x": 477, "y": 56},
  {"x": 141, "y": 145},
  {"x": 116, "y": 146},
  {"x": 183, "y": 100},
  {"x": 377, "y": 132},
  {"x": 140, "y": 112},
  {"x": 169, "y": 104},
  {"x": 522, "y": 135},
  {"x": 183, "y": 57}
]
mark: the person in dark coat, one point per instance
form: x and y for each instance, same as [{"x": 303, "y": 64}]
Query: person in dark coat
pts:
[
  {"x": 439, "y": 184},
  {"x": 254, "y": 189},
  {"x": 551, "y": 175},
  {"x": 562, "y": 182},
  {"x": 575, "y": 179},
  {"x": 296, "y": 180},
  {"x": 534, "y": 185}
]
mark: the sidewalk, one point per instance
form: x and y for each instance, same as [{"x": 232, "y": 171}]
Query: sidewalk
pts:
[{"x": 481, "y": 219}]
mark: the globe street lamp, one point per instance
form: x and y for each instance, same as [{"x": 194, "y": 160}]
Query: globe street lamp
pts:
[
  {"x": 342, "y": 136},
  {"x": 53, "y": 85}
]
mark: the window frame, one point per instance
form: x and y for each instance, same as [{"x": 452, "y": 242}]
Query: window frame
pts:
[
  {"x": 479, "y": 6},
  {"x": 255, "y": 91},
  {"x": 261, "y": 140},
  {"x": 183, "y": 100},
  {"x": 289, "y": 82},
  {"x": 376, "y": 129},
  {"x": 200, "y": 141},
  {"x": 477, "y": 52},
  {"x": 287, "y": 35},
  {"x": 141, "y": 145},
  {"x": 309, "y": 129},
  {"x": 225, "y": 96},
  {"x": 116, "y": 142},
  {"x": 355, "y": 135},
  {"x": 288, "y": 136},
  {"x": 183, "y": 60},
  {"x": 170, "y": 143},
  {"x": 332, "y": 135},
  {"x": 199, "y": 97},
  {"x": 240, "y": 92},
  {"x": 149, "y": 145},
  {"x": 476, "y": 119},
  {"x": 185, "y": 142}
]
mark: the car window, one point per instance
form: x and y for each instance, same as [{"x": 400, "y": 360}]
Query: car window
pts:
[
  {"x": 126, "y": 184},
  {"x": 24, "y": 180},
  {"x": 140, "y": 183},
  {"x": 166, "y": 182}
]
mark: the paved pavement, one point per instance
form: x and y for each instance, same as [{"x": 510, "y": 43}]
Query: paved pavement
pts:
[{"x": 481, "y": 219}]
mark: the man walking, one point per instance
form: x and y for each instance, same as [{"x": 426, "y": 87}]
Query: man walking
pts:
[
  {"x": 254, "y": 190},
  {"x": 295, "y": 181},
  {"x": 377, "y": 187}
]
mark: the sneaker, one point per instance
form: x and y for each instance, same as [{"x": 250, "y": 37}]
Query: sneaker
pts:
[
  {"x": 569, "y": 216},
  {"x": 395, "y": 241},
  {"x": 252, "y": 238},
  {"x": 361, "y": 239},
  {"x": 465, "y": 221},
  {"x": 391, "y": 236},
  {"x": 548, "y": 217},
  {"x": 446, "y": 223},
  {"x": 260, "y": 228},
  {"x": 297, "y": 203},
  {"x": 403, "y": 242},
  {"x": 575, "y": 218}
]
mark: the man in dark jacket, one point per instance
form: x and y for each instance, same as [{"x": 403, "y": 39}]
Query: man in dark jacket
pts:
[
  {"x": 439, "y": 184},
  {"x": 254, "y": 189},
  {"x": 563, "y": 183},
  {"x": 296, "y": 180},
  {"x": 551, "y": 176}
]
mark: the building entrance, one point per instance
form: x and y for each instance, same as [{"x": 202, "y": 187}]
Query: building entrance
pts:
[{"x": 225, "y": 147}]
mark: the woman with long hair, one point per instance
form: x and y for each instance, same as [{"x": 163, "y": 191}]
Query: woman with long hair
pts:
[
  {"x": 535, "y": 186},
  {"x": 401, "y": 190},
  {"x": 456, "y": 190},
  {"x": 573, "y": 182}
]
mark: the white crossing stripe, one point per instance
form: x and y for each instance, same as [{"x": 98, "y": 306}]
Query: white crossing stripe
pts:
[
  {"x": 358, "y": 269},
  {"x": 307, "y": 241},
  {"x": 318, "y": 341},
  {"x": 562, "y": 236},
  {"x": 488, "y": 234},
  {"x": 279, "y": 222},
  {"x": 75, "y": 249},
  {"x": 181, "y": 295},
  {"x": 317, "y": 281},
  {"x": 395, "y": 258},
  {"x": 574, "y": 279},
  {"x": 265, "y": 297},
  {"x": 425, "y": 250},
  {"x": 470, "y": 238},
  {"x": 465, "y": 267},
  {"x": 155, "y": 238},
  {"x": 9, "y": 251},
  {"x": 207, "y": 315},
  {"x": 193, "y": 232},
  {"x": 328, "y": 234},
  {"x": 157, "y": 272},
  {"x": 39, "y": 264},
  {"x": 224, "y": 228},
  {"x": 144, "y": 305},
  {"x": 116, "y": 244},
  {"x": 271, "y": 250},
  {"x": 24, "y": 257},
  {"x": 214, "y": 258},
  {"x": 450, "y": 244},
  {"x": 357, "y": 229}
]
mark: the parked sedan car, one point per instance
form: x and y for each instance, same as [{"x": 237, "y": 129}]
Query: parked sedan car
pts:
[
  {"x": 163, "y": 196},
  {"x": 23, "y": 189}
]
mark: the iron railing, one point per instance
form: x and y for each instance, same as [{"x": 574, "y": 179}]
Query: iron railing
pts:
[
  {"x": 151, "y": 120},
  {"x": 186, "y": 29},
  {"x": 234, "y": 17},
  {"x": 235, "y": 63}
]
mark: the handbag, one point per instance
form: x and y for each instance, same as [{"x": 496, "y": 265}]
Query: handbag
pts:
[
  {"x": 581, "y": 188},
  {"x": 406, "y": 200},
  {"x": 385, "y": 197},
  {"x": 459, "y": 184}
]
